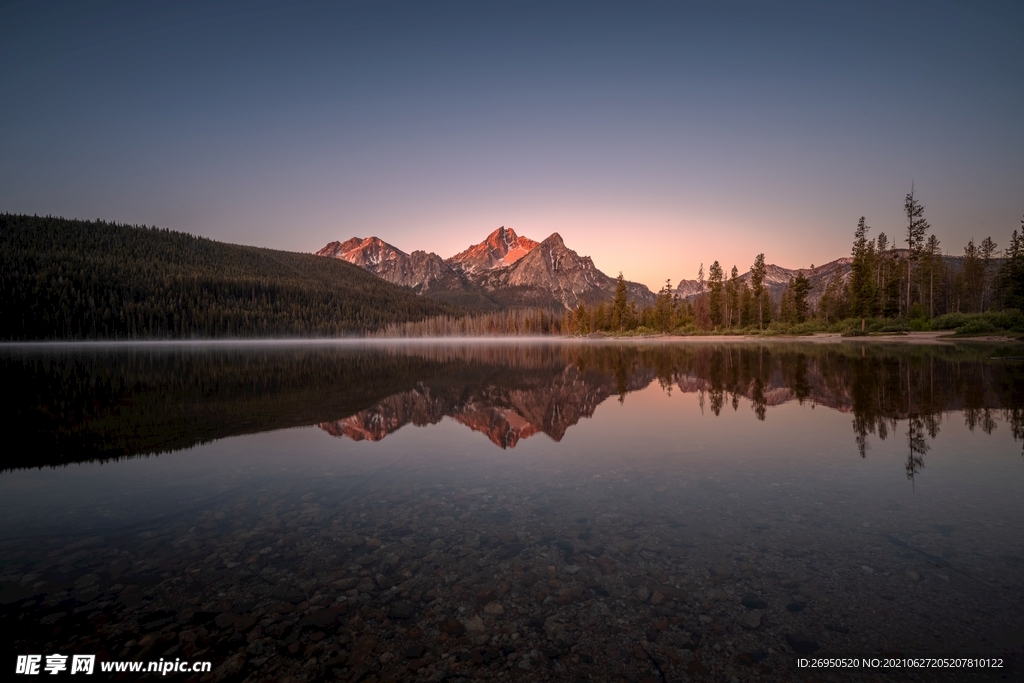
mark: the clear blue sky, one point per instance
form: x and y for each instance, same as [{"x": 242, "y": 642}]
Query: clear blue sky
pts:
[{"x": 652, "y": 136}]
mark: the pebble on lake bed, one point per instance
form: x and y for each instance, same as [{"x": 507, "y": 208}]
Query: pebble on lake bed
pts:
[{"x": 751, "y": 619}]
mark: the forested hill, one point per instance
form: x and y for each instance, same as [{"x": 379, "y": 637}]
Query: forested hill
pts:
[{"x": 72, "y": 279}]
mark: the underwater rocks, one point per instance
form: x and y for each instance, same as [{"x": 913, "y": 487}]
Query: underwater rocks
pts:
[{"x": 523, "y": 581}]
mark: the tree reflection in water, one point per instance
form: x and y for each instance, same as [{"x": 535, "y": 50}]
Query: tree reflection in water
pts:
[
  {"x": 100, "y": 403},
  {"x": 917, "y": 446}
]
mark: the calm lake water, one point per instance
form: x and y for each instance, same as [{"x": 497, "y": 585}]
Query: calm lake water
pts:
[{"x": 514, "y": 511}]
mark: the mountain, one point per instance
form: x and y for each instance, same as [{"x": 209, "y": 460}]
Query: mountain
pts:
[
  {"x": 424, "y": 271},
  {"x": 552, "y": 273},
  {"x": 504, "y": 271},
  {"x": 420, "y": 270},
  {"x": 501, "y": 248},
  {"x": 71, "y": 279}
]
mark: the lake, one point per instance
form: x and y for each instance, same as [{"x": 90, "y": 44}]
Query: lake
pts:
[{"x": 522, "y": 510}]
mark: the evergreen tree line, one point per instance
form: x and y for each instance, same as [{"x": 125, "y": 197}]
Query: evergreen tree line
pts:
[
  {"x": 513, "y": 323},
  {"x": 722, "y": 304},
  {"x": 918, "y": 282},
  {"x": 71, "y": 279},
  {"x": 906, "y": 284}
]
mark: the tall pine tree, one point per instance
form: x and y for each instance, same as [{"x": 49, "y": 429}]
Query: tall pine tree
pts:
[
  {"x": 733, "y": 295},
  {"x": 917, "y": 226},
  {"x": 620, "y": 305},
  {"x": 863, "y": 293},
  {"x": 1011, "y": 275},
  {"x": 933, "y": 263},
  {"x": 987, "y": 249},
  {"x": 757, "y": 274},
  {"x": 715, "y": 302},
  {"x": 800, "y": 287}
]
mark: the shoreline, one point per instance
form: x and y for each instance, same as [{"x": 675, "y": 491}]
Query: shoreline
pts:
[{"x": 941, "y": 338}]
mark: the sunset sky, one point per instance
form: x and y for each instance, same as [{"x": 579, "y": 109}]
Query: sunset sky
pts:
[{"x": 652, "y": 136}]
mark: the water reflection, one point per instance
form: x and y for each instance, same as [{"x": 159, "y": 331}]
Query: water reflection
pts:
[
  {"x": 669, "y": 512},
  {"x": 100, "y": 404}
]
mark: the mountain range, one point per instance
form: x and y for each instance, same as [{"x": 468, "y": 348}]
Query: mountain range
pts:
[
  {"x": 503, "y": 271},
  {"x": 507, "y": 270}
]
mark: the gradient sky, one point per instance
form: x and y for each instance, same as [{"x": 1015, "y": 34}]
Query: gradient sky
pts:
[{"x": 653, "y": 136}]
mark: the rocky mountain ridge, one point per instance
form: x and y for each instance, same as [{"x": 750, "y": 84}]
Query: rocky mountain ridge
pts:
[
  {"x": 503, "y": 247},
  {"x": 420, "y": 270},
  {"x": 505, "y": 270}
]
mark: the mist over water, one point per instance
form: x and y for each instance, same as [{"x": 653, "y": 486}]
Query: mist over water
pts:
[{"x": 536, "y": 510}]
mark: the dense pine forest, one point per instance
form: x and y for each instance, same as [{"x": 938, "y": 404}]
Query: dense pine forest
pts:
[{"x": 72, "y": 279}]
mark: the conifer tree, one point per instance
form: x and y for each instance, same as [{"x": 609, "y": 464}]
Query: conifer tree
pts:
[
  {"x": 601, "y": 321},
  {"x": 757, "y": 275},
  {"x": 715, "y": 303},
  {"x": 800, "y": 287},
  {"x": 1011, "y": 274},
  {"x": 863, "y": 298},
  {"x": 732, "y": 289},
  {"x": 987, "y": 249},
  {"x": 663, "y": 308},
  {"x": 831, "y": 299},
  {"x": 917, "y": 226},
  {"x": 582, "y": 319},
  {"x": 700, "y": 303},
  {"x": 972, "y": 276},
  {"x": 620, "y": 303},
  {"x": 882, "y": 246},
  {"x": 786, "y": 311},
  {"x": 933, "y": 259},
  {"x": 746, "y": 308},
  {"x": 888, "y": 283}
]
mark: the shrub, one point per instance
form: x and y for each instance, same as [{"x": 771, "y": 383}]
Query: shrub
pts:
[
  {"x": 977, "y": 326},
  {"x": 950, "y": 321},
  {"x": 1011, "y": 319},
  {"x": 806, "y": 328}
]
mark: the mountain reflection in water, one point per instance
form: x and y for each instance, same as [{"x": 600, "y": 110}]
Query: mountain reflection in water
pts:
[
  {"x": 888, "y": 385},
  {"x": 89, "y": 403}
]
